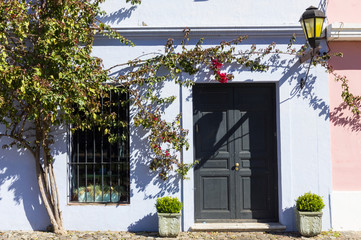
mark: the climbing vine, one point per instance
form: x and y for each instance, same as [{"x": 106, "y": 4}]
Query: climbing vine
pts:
[
  {"x": 351, "y": 100},
  {"x": 166, "y": 139}
]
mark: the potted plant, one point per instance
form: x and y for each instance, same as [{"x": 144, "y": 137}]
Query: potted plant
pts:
[
  {"x": 309, "y": 214},
  {"x": 168, "y": 209}
]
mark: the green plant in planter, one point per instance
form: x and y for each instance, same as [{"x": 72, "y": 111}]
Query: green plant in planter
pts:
[
  {"x": 168, "y": 209},
  {"x": 309, "y": 202},
  {"x": 309, "y": 214},
  {"x": 168, "y": 205}
]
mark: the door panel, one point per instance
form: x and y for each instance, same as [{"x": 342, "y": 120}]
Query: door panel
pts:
[
  {"x": 255, "y": 148},
  {"x": 235, "y": 124},
  {"x": 215, "y": 192},
  {"x": 212, "y": 120}
]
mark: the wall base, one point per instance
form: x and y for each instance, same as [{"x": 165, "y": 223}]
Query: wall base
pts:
[{"x": 346, "y": 210}]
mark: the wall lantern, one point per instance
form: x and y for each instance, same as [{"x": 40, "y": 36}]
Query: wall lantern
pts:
[{"x": 312, "y": 22}]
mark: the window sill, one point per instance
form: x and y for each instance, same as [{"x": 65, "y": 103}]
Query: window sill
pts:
[{"x": 96, "y": 204}]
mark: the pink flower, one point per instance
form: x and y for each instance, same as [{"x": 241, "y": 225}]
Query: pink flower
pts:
[
  {"x": 217, "y": 65},
  {"x": 167, "y": 154},
  {"x": 223, "y": 77}
]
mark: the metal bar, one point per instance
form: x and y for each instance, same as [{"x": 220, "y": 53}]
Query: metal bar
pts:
[
  {"x": 77, "y": 159},
  {"x": 91, "y": 163},
  {"x": 69, "y": 172},
  {"x": 94, "y": 160},
  {"x": 118, "y": 145},
  {"x": 85, "y": 134},
  {"x": 127, "y": 148},
  {"x": 102, "y": 153},
  {"x": 86, "y": 173},
  {"x": 109, "y": 152},
  {"x": 309, "y": 54},
  {"x": 303, "y": 81}
]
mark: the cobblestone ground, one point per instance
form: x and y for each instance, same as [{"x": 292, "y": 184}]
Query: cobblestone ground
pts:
[{"x": 73, "y": 235}]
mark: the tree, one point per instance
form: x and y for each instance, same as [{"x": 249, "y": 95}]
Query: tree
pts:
[{"x": 48, "y": 78}]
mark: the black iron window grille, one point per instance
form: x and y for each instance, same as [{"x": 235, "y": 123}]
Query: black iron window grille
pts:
[{"x": 99, "y": 170}]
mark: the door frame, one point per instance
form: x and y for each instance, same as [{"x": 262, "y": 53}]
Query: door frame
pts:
[{"x": 275, "y": 162}]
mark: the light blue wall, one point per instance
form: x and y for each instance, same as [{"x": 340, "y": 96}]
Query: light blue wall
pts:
[
  {"x": 302, "y": 116},
  {"x": 20, "y": 204},
  {"x": 194, "y": 13}
]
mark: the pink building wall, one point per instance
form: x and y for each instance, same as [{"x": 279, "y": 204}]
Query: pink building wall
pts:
[
  {"x": 345, "y": 127},
  {"x": 343, "y": 11}
]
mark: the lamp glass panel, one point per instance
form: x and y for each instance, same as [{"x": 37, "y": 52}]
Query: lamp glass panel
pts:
[
  {"x": 303, "y": 27},
  {"x": 310, "y": 27},
  {"x": 319, "y": 23}
]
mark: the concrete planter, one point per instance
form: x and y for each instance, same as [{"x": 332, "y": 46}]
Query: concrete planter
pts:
[
  {"x": 169, "y": 224},
  {"x": 309, "y": 224}
]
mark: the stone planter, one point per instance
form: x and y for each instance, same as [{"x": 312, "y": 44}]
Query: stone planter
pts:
[
  {"x": 309, "y": 224},
  {"x": 169, "y": 224}
]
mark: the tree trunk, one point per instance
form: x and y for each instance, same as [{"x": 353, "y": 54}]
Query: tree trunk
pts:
[{"x": 47, "y": 184}]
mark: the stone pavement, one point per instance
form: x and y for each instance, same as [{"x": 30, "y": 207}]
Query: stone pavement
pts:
[{"x": 75, "y": 235}]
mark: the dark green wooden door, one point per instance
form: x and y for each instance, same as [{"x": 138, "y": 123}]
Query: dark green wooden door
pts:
[{"x": 235, "y": 144}]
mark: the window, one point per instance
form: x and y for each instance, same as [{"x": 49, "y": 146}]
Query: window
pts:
[{"x": 99, "y": 171}]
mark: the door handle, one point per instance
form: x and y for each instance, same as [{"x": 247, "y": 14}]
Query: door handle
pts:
[{"x": 237, "y": 165}]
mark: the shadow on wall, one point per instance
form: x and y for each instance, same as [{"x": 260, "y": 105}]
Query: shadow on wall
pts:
[
  {"x": 117, "y": 16},
  {"x": 342, "y": 116},
  {"x": 141, "y": 176},
  {"x": 18, "y": 186},
  {"x": 147, "y": 223},
  {"x": 143, "y": 179},
  {"x": 293, "y": 72},
  {"x": 289, "y": 216},
  {"x": 323, "y": 5}
]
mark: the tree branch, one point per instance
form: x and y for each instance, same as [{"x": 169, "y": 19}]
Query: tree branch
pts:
[{"x": 20, "y": 140}]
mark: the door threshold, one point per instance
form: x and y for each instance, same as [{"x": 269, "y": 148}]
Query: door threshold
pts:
[{"x": 238, "y": 227}]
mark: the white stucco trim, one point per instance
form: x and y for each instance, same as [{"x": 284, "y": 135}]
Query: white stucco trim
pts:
[
  {"x": 188, "y": 157},
  {"x": 346, "y": 210},
  {"x": 344, "y": 32},
  {"x": 226, "y": 31}
]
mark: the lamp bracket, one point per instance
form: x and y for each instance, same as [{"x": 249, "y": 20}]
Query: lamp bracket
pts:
[{"x": 309, "y": 54}]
